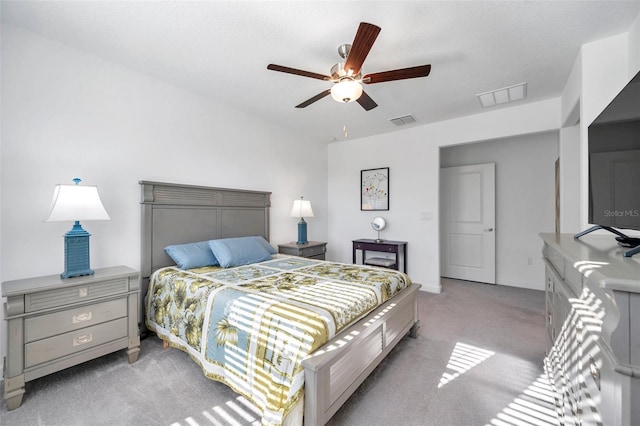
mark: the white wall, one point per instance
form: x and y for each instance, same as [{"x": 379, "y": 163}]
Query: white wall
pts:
[
  {"x": 570, "y": 171},
  {"x": 605, "y": 67},
  {"x": 525, "y": 199},
  {"x": 413, "y": 158},
  {"x": 569, "y": 148},
  {"x": 633, "y": 48},
  {"x": 66, "y": 113}
]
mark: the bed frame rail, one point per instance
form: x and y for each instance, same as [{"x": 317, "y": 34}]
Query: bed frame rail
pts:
[{"x": 336, "y": 370}]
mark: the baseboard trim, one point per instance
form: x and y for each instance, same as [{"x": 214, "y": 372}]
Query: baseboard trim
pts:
[
  {"x": 432, "y": 288},
  {"x": 528, "y": 286}
]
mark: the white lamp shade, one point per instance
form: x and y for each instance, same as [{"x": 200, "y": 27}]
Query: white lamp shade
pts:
[
  {"x": 346, "y": 91},
  {"x": 301, "y": 208},
  {"x": 75, "y": 202}
]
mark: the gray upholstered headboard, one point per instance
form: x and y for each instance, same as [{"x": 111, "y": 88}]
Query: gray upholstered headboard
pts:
[{"x": 176, "y": 214}]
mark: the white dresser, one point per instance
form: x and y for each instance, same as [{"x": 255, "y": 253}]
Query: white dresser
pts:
[{"x": 593, "y": 329}]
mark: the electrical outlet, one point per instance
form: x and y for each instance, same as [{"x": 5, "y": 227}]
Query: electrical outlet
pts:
[{"x": 529, "y": 261}]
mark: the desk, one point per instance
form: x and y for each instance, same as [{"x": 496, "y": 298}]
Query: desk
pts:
[{"x": 399, "y": 248}]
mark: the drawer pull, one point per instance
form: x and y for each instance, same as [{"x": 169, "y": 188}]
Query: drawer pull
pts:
[
  {"x": 595, "y": 371},
  {"x": 81, "y": 340},
  {"x": 85, "y": 316}
]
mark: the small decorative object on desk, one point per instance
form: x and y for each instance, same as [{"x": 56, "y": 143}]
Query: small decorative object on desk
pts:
[{"x": 378, "y": 224}]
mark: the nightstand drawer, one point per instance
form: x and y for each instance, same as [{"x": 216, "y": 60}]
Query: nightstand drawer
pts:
[
  {"x": 312, "y": 251},
  {"x": 44, "y": 326},
  {"x": 68, "y": 295},
  {"x": 65, "y": 344}
]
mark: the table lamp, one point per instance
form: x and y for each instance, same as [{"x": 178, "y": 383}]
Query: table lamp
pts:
[
  {"x": 302, "y": 208},
  {"x": 76, "y": 203}
]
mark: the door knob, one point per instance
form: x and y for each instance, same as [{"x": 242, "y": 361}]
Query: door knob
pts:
[{"x": 488, "y": 230}]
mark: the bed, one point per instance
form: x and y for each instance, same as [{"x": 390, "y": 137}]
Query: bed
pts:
[{"x": 320, "y": 334}]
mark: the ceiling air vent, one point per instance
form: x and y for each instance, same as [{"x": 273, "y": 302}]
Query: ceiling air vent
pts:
[
  {"x": 401, "y": 121},
  {"x": 501, "y": 96}
]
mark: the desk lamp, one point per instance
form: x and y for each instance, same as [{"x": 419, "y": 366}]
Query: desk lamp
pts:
[
  {"x": 76, "y": 203},
  {"x": 302, "y": 208}
]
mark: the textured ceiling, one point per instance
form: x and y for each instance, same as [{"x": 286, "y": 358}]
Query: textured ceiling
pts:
[{"x": 221, "y": 49}]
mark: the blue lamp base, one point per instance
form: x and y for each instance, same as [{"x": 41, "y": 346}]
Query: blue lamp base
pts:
[
  {"x": 302, "y": 232},
  {"x": 76, "y": 252}
]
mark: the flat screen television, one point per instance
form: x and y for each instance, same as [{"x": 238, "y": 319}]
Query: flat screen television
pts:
[{"x": 614, "y": 164}]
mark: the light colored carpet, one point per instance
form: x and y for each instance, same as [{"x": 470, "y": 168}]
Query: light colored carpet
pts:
[{"x": 477, "y": 361}]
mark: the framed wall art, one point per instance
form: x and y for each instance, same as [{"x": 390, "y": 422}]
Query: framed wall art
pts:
[{"x": 374, "y": 189}]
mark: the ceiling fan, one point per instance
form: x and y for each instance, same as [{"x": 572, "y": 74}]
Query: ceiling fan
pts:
[{"x": 347, "y": 76}]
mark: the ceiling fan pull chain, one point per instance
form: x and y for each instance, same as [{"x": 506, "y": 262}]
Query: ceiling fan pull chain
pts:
[{"x": 344, "y": 127}]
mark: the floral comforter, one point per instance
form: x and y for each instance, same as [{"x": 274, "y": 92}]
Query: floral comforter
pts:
[{"x": 251, "y": 326}]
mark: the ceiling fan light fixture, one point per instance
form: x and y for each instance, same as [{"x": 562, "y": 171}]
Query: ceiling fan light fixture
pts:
[
  {"x": 347, "y": 76},
  {"x": 346, "y": 90}
]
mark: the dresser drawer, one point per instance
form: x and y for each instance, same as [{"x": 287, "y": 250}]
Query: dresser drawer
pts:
[
  {"x": 75, "y": 341},
  {"x": 65, "y": 296},
  {"x": 555, "y": 258},
  {"x": 44, "y": 326},
  {"x": 550, "y": 283},
  {"x": 573, "y": 278}
]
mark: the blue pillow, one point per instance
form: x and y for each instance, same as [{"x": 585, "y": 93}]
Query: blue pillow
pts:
[
  {"x": 192, "y": 255},
  {"x": 239, "y": 251},
  {"x": 266, "y": 245}
]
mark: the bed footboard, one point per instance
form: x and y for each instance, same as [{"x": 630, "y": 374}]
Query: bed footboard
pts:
[{"x": 336, "y": 370}]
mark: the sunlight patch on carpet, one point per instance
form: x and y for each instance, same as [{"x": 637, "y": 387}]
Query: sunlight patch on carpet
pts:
[
  {"x": 235, "y": 412},
  {"x": 533, "y": 407},
  {"x": 463, "y": 358}
]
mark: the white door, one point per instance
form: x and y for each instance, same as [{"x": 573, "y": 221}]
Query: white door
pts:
[{"x": 468, "y": 223}]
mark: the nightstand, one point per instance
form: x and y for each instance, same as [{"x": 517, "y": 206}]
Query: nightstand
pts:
[
  {"x": 55, "y": 323},
  {"x": 311, "y": 250}
]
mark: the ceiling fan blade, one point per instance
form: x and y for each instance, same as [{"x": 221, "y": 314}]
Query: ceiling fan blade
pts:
[
  {"x": 274, "y": 67},
  {"x": 399, "y": 74},
  {"x": 366, "y": 102},
  {"x": 362, "y": 43},
  {"x": 314, "y": 99}
]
